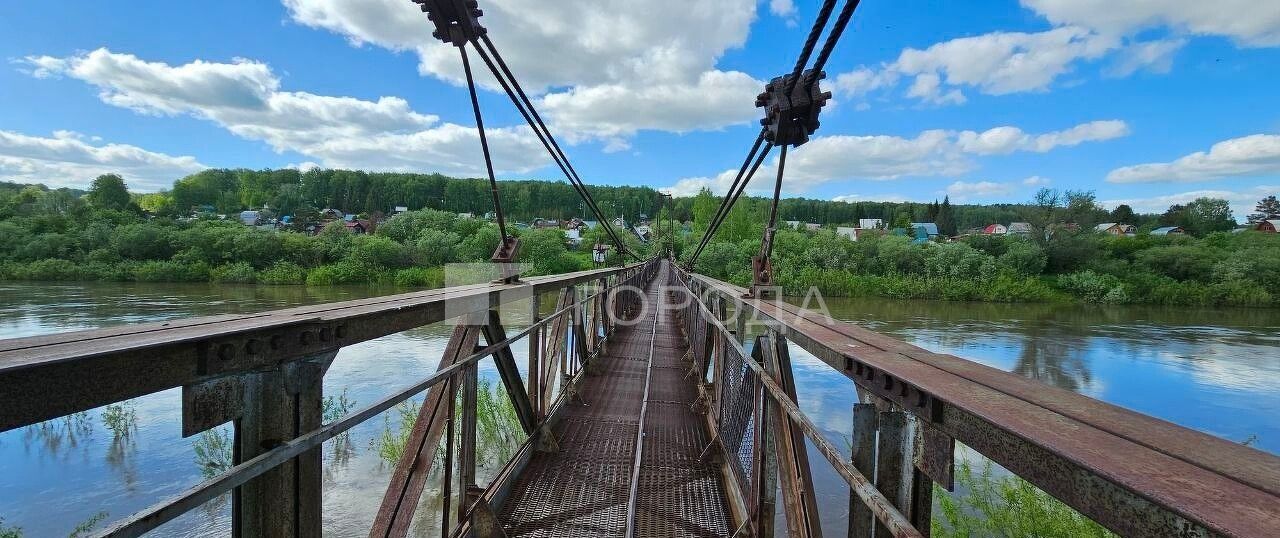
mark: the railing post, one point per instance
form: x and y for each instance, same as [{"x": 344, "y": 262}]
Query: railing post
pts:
[
  {"x": 279, "y": 406},
  {"x": 535, "y": 357},
  {"x": 793, "y": 459},
  {"x": 467, "y": 443},
  {"x": 764, "y": 466}
]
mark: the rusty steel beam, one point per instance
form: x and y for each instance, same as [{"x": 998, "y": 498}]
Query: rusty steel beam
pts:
[
  {"x": 1134, "y": 474},
  {"x": 410, "y": 475},
  {"x": 127, "y": 362}
]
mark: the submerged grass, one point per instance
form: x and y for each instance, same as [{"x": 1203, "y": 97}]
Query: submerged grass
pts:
[
  {"x": 498, "y": 431},
  {"x": 1007, "y": 507}
]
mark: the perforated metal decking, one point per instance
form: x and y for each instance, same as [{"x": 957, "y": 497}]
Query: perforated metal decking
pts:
[{"x": 584, "y": 489}]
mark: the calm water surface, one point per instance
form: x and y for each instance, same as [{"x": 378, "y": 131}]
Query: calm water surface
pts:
[{"x": 1212, "y": 370}]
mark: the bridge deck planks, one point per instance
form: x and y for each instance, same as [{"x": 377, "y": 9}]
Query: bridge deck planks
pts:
[{"x": 583, "y": 490}]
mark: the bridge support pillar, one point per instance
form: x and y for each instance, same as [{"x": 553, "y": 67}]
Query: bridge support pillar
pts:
[{"x": 278, "y": 406}]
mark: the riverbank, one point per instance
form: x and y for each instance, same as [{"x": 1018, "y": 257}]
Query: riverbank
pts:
[{"x": 1079, "y": 287}]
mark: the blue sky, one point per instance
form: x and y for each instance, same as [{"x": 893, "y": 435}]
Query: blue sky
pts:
[{"x": 1148, "y": 103}]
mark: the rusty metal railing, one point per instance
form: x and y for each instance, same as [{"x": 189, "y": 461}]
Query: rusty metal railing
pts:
[
  {"x": 1134, "y": 474},
  {"x": 264, "y": 373}
]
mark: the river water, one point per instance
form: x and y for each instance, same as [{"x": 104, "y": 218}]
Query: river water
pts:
[{"x": 1214, "y": 370}]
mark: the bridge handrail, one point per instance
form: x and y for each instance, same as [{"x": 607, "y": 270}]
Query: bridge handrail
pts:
[
  {"x": 861, "y": 485},
  {"x": 1134, "y": 474},
  {"x": 196, "y": 340},
  {"x": 133, "y": 360}
]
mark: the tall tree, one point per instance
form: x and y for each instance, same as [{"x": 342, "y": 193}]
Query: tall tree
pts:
[
  {"x": 108, "y": 192},
  {"x": 1124, "y": 214},
  {"x": 1207, "y": 215},
  {"x": 1267, "y": 209},
  {"x": 946, "y": 218}
]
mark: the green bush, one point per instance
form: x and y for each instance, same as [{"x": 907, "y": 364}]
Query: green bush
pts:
[
  {"x": 283, "y": 273},
  {"x": 238, "y": 273},
  {"x": 1093, "y": 287},
  {"x": 420, "y": 277},
  {"x": 169, "y": 271}
]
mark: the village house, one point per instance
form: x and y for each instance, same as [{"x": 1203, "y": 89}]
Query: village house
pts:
[
  {"x": 1019, "y": 228},
  {"x": 357, "y": 226},
  {"x": 1168, "y": 230},
  {"x": 1268, "y": 226},
  {"x": 854, "y": 233},
  {"x": 1114, "y": 228},
  {"x": 930, "y": 228},
  {"x": 995, "y": 229},
  {"x": 868, "y": 224},
  {"x": 250, "y": 218}
]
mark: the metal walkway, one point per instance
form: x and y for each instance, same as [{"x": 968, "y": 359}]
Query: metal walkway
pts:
[{"x": 587, "y": 487}]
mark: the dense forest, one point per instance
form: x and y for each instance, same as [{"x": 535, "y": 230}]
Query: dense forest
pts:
[{"x": 108, "y": 233}]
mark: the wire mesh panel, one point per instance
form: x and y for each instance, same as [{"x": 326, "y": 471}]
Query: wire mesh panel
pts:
[{"x": 737, "y": 413}]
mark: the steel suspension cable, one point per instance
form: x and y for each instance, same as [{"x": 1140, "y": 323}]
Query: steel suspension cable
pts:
[
  {"x": 732, "y": 198},
  {"x": 773, "y": 209},
  {"x": 834, "y": 37},
  {"x": 572, "y": 173},
  {"x": 819, "y": 25},
  {"x": 484, "y": 144},
  {"x": 563, "y": 165},
  {"x": 724, "y": 202}
]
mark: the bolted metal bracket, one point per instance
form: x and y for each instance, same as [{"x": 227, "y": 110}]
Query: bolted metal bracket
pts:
[
  {"x": 484, "y": 521},
  {"x": 762, "y": 286},
  {"x": 790, "y": 119},
  {"x": 505, "y": 257},
  {"x": 457, "y": 21}
]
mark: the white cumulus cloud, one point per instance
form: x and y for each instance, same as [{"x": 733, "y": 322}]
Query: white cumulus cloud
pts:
[
  {"x": 1245, "y": 156},
  {"x": 612, "y": 67},
  {"x": 1249, "y": 22},
  {"x": 244, "y": 97},
  {"x": 882, "y": 157},
  {"x": 1004, "y": 140},
  {"x": 69, "y": 159},
  {"x": 1242, "y": 201},
  {"x": 961, "y": 191}
]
